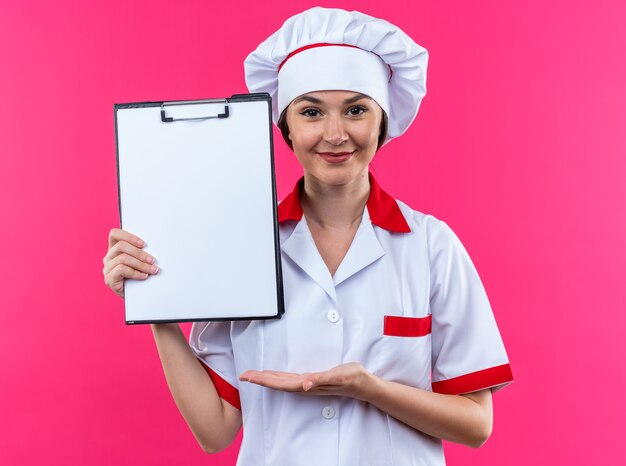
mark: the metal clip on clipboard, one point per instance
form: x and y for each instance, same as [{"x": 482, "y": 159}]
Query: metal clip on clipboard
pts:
[{"x": 166, "y": 119}]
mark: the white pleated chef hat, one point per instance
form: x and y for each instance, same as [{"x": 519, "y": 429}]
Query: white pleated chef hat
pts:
[{"x": 332, "y": 49}]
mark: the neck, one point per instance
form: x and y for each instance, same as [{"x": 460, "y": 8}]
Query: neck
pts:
[{"x": 335, "y": 206}]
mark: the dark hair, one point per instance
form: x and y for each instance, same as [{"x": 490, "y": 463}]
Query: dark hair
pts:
[{"x": 284, "y": 129}]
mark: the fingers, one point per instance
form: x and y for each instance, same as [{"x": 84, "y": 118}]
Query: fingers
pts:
[
  {"x": 125, "y": 259},
  {"x": 124, "y": 243},
  {"x": 271, "y": 375},
  {"x": 342, "y": 380},
  {"x": 122, "y": 271},
  {"x": 273, "y": 379},
  {"x": 129, "y": 246},
  {"x": 117, "y": 234},
  {"x": 115, "y": 278},
  {"x": 125, "y": 254},
  {"x": 286, "y": 381}
]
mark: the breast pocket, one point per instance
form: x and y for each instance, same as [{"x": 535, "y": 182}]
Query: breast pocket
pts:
[{"x": 405, "y": 353}]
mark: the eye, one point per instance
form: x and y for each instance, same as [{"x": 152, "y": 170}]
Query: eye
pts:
[
  {"x": 310, "y": 112},
  {"x": 357, "y": 110}
]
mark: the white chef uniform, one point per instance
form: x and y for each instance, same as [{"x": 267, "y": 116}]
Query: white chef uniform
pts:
[{"x": 406, "y": 302}]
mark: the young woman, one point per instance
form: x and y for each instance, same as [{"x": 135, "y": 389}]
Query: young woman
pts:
[{"x": 388, "y": 343}]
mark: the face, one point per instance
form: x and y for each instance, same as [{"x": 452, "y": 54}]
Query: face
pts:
[{"x": 334, "y": 134}]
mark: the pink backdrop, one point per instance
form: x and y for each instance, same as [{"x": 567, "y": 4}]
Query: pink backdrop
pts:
[{"x": 520, "y": 146}]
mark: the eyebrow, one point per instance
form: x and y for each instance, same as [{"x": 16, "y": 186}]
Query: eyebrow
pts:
[
  {"x": 315, "y": 100},
  {"x": 308, "y": 99},
  {"x": 356, "y": 98}
]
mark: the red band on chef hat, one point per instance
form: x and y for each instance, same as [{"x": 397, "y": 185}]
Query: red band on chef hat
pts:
[{"x": 311, "y": 46}]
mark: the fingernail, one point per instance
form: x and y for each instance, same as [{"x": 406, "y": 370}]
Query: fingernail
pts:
[
  {"x": 139, "y": 242},
  {"x": 149, "y": 259},
  {"x": 154, "y": 269}
]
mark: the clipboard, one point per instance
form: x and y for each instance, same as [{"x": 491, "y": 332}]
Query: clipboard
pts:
[{"x": 196, "y": 182}]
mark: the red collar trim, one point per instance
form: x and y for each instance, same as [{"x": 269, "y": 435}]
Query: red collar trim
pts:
[
  {"x": 383, "y": 209},
  {"x": 290, "y": 208}
]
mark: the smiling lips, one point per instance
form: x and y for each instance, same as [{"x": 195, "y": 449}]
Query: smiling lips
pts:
[{"x": 335, "y": 157}]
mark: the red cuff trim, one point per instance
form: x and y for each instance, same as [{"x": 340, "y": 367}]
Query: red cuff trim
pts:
[
  {"x": 399, "y": 326},
  {"x": 224, "y": 389},
  {"x": 475, "y": 381}
]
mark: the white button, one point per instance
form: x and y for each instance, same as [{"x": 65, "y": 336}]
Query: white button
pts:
[
  {"x": 333, "y": 316},
  {"x": 328, "y": 412}
]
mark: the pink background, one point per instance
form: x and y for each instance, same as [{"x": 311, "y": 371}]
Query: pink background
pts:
[{"x": 520, "y": 146}]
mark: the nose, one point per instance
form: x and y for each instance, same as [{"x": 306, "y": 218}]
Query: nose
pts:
[{"x": 334, "y": 130}]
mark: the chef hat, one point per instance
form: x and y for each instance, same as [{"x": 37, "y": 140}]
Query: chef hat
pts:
[{"x": 332, "y": 49}]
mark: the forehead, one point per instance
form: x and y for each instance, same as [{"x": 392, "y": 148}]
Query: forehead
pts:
[{"x": 331, "y": 97}]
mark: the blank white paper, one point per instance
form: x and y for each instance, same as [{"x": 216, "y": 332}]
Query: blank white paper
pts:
[{"x": 200, "y": 193}]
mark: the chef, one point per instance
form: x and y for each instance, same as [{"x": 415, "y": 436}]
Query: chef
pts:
[{"x": 388, "y": 344}]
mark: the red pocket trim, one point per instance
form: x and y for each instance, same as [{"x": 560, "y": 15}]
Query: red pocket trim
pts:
[{"x": 398, "y": 326}]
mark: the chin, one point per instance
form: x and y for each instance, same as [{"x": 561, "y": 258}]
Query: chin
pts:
[{"x": 339, "y": 176}]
